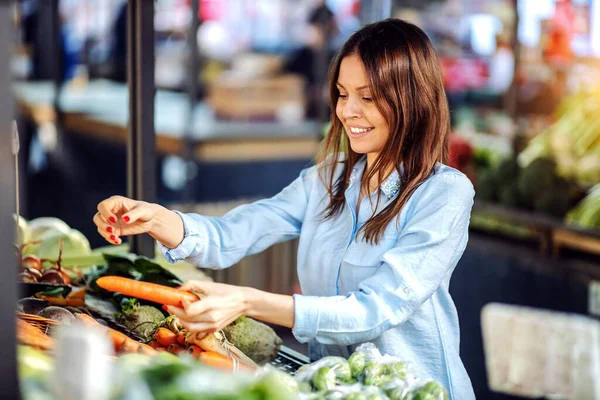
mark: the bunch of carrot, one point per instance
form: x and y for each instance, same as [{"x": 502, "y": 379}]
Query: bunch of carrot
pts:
[
  {"x": 122, "y": 342},
  {"x": 168, "y": 339}
]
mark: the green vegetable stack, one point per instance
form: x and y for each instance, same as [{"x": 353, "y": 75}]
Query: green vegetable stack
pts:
[
  {"x": 366, "y": 375},
  {"x": 536, "y": 187},
  {"x": 573, "y": 140}
]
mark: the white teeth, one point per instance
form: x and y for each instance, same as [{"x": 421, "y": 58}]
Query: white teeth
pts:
[{"x": 359, "y": 130}]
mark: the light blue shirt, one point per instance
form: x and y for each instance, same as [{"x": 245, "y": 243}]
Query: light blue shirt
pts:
[{"x": 394, "y": 294}]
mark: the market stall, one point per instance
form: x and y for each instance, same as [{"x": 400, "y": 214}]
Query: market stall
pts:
[{"x": 520, "y": 252}]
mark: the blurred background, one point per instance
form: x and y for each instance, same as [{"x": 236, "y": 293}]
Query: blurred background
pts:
[{"x": 234, "y": 93}]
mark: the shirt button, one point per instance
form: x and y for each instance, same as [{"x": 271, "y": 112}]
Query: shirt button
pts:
[{"x": 407, "y": 290}]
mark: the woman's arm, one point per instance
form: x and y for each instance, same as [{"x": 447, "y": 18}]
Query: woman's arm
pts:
[
  {"x": 167, "y": 228},
  {"x": 222, "y": 304},
  {"x": 212, "y": 242}
]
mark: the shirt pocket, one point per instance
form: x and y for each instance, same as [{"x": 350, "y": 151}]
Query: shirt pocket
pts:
[{"x": 360, "y": 262}]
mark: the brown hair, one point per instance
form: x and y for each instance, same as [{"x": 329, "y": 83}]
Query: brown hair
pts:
[{"x": 407, "y": 87}]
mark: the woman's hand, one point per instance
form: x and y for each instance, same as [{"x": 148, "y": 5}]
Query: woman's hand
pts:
[
  {"x": 120, "y": 216},
  {"x": 221, "y": 304}
]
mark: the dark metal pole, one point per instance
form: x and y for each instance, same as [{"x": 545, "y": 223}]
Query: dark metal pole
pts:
[
  {"x": 141, "y": 144},
  {"x": 192, "y": 86},
  {"x": 8, "y": 276},
  {"x": 58, "y": 60}
]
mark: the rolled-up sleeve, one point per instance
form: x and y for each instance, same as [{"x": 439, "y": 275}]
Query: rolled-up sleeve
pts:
[
  {"x": 429, "y": 246},
  {"x": 219, "y": 242}
]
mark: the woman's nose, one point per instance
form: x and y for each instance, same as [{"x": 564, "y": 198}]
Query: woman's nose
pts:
[{"x": 351, "y": 109}]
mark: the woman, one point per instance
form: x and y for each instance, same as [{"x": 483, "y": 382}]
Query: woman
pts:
[{"x": 381, "y": 221}]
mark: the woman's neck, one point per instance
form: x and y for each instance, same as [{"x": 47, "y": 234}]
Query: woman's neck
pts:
[{"x": 375, "y": 182}]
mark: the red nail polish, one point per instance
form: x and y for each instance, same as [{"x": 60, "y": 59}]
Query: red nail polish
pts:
[
  {"x": 178, "y": 287},
  {"x": 165, "y": 308},
  {"x": 109, "y": 229},
  {"x": 112, "y": 219},
  {"x": 126, "y": 218},
  {"x": 113, "y": 237}
]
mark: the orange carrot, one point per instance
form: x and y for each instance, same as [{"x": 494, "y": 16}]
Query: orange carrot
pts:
[
  {"x": 175, "y": 348},
  {"x": 194, "y": 351},
  {"x": 181, "y": 338},
  {"x": 154, "y": 344},
  {"x": 32, "y": 336},
  {"x": 145, "y": 290},
  {"x": 122, "y": 342},
  {"x": 221, "y": 361},
  {"x": 165, "y": 337}
]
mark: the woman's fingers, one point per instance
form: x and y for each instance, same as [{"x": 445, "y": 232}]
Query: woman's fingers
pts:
[
  {"x": 142, "y": 211},
  {"x": 199, "y": 327},
  {"x": 109, "y": 208},
  {"x": 106, "y": 230},
  {"x": 195, "y": 286}
]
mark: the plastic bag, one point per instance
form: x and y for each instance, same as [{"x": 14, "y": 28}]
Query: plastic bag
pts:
[
  {"x": 324, "y": 374},
  {"x": 350, "y": 392},
  {"x": 366, "y": 375}
]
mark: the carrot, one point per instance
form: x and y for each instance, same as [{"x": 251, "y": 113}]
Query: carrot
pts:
[
  {"x": 181, "y": 338},
  {"x": 154, "y": 344},
  {"x": 145, "y": 290},
  {"x": 165, "y": 337},
  {"x": 175, "y": 349},
  {"x": 122, "y": 342},
  {"x": 32, "y": 336},
  {"x": 194, "y": 351},
  {"x": 221, "y": 361}
]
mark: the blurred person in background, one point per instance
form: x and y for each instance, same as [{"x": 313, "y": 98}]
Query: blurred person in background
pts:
[
  {"x": 321, "y": 27},
  {"x": 381, "y": 220}
]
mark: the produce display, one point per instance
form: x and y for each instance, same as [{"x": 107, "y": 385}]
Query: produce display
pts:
[
  {"x": 573, "y": 140},
  {"x": 121, "y": 295},
  {"x": 366, "y": 375}
]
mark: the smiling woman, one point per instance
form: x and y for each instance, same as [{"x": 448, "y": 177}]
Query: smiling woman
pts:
[
  {"x": 387, "y": 90},
  {"x": 381, "y": 225}
]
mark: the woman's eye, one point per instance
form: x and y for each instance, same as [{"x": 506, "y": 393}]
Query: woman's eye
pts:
[
  {"x": 343, "y": 96},
  {"x": 368, "y": 99}
]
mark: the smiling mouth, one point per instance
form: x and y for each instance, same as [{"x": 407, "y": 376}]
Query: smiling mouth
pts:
[{"x": 358, "y": 132}]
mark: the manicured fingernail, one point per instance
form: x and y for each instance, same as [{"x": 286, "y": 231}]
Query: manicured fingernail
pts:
[
  {"x": 109, "y": 229},
  {"x": 112, "y": 219},
  {"x": 113, "y": 237},
  {"x": 165, "y": 308},
  {"x": 178, "y": 287},
  {"x": 126, "y": 218}
]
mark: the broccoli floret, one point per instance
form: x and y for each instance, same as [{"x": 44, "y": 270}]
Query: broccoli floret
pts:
[
  {"x": 487, "y": 185},
  {"x": 508, "y": 170},
  {"x": 510, "y": 196},
  {"x": 554, "y": 201},
  {"x": 537, "y": 178}
]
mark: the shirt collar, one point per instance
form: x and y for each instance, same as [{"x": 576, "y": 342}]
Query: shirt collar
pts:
[{"x": 390, "y": 187}]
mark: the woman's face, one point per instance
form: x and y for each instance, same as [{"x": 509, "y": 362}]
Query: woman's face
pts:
[{"x": 365, "y": 126}]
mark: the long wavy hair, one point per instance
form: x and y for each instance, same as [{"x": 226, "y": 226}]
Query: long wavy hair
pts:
[{"x": 406, "y": 84}]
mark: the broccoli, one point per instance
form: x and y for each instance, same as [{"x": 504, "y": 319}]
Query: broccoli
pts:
[
  {"x": 487, "y": 185},
  {"x": 554, "y": 202},
  {"x": 508, "y": 170},
  {"x": 537, "y": 178},
  {"x": 510, "y": 196}
]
